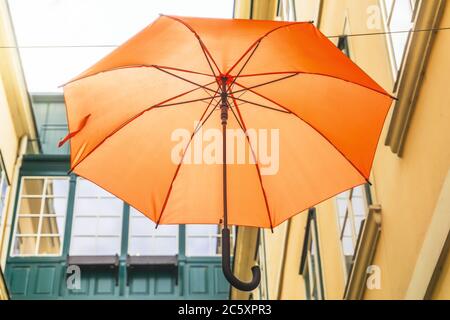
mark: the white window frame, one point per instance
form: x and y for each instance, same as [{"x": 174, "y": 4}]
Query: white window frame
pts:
[
  {"x": 97, "y": 216},
  {"x": 152, "y": 236},
  {"x": 41, "y": 215},
  {"x": 387, "y": 16}
]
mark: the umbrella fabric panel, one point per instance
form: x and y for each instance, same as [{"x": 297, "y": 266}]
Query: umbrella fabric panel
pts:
[
  {"x": 310, "y": 169},
  {"x": 196, "y": 196},
  {"x": 349, "y": 116},
  {"x": 135, "y": 163},
  {"x": 113, "y": 99}
]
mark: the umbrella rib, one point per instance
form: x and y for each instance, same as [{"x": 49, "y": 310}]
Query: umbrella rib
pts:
[
  {"x": 234, "y": 114},
  {"x": 318, "y": 131},
  {"x": 244, "y": 128},
  {"x": 202, "y": 44},
  {"x": 261, "y": 105},
  {"x": 187, "y": 80},
  {"x": 261, "y": 38},
  {"x": 244, "y": 65},
  {"x": 127, "y": 122},
  {"x": 266, "y": 83},
  {"x": 202, "y": 121},
  {"x": 136, "y": 66},
  {"x": 296, "y": 73}
]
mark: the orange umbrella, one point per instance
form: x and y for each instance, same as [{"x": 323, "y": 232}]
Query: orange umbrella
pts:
[{"x": 144, "y": 123}]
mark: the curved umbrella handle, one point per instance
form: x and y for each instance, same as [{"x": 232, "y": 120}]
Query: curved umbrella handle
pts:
[{"x": 235, "y": 282}]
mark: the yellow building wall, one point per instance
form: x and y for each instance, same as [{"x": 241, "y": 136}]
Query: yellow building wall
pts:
[
  {"x": 442, "y": 288},
  {"x": 291, "y": 282},
  {"x": 407, "y": 187}
]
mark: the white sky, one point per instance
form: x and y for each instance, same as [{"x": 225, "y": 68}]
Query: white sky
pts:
[{"x": 88, "y": 22}]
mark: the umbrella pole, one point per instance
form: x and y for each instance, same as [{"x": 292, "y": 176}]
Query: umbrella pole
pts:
[{"x": 235, "y": 282}]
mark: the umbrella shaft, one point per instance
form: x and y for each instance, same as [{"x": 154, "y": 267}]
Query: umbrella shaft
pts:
[{"x": 224, "y": 118}]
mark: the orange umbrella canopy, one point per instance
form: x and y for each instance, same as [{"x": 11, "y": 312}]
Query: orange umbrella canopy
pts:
[{"x": 145, "y": 120}]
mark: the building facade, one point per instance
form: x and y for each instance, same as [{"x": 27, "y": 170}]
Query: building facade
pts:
[
  {"x": 389, "y": 240},
  {"x": 62, "y": 237}
]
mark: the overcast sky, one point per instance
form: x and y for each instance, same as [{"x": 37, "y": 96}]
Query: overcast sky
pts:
[{"x": 88, "y": 22}]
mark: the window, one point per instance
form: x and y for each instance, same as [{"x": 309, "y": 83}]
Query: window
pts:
[
  {"x": 398, "y": 17},
  {"x": 352, "y": 209},
  {"x": 145, "y": 240},
  {"x": 205, "y": 240},
  {"x": 343, "y": 45},
  {"x": 310, "y": 266},
  {"x": 39, "y": 226},
  {"x": 286, "y": 10},
  {"x": 3, "y": 192},
  {"x": 97, "y": 221}
]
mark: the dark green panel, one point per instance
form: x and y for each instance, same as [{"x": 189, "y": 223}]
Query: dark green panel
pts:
[
  {"x": 104, "y": 283},
  {"x": 139, "y": 284},
  {"x": 45, "y": 279},
  {"x": 221, "y": 285},
  {"x": 198, "y": 280},
  {"x": 18, "y": 282},
  {"x": 164, "y": 284}
]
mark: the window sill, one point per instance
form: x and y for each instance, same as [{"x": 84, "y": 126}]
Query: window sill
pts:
[
  {"x": 152, "y": 261},
  {"x": 412, "y": 72},
  {"x": 94, "y": 261}
]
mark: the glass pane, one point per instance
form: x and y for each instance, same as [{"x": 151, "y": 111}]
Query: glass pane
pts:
[
  {"x": 348, "y": 228},
  {"x": 142, "y": 226},
  {"x": 198, "y": 247},
  {"x": 140, "y": 246},
  {"x": 25, "y": 246},
  {"x": 57, "y": 187},
  {"x": 84, "y": 226},
  {"x": 389, "y": 5},
  {"x": 342, "y": 206},
  {"x": 55, "y": 206},
  {"x": 400, "y": 21},
  {"x": 108, "y": 245},
  {"x": 359, "y": 208},
  {"x": 50, "y": 245},
  {"x": 30, "y": 206},
  {"x": 347, "y": 245},
  {"x": 109, "y": 226},
  {"x": 81, "y": 246},
  {"x": 89, "y": 206},
  {"x": 146, "y": 246},
  {"x": 52, "y": 225},
  {"x": 165, "y": 247},
  {"x": 31, "y": 186},
  {"x": 203, "y": 230},
  {"x": 27, "y": 225},
  {"x": 85, "y": 188}
]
